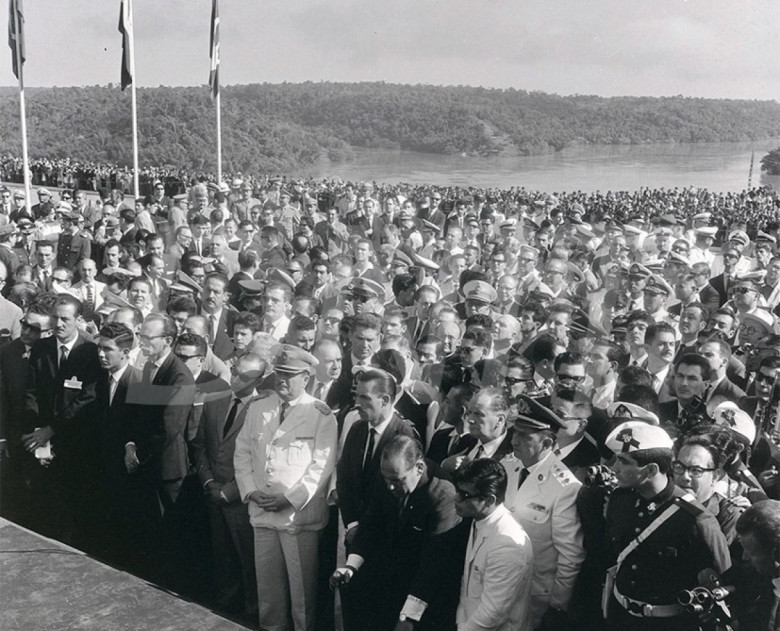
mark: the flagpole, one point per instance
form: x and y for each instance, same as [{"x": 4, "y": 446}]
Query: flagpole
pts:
[
  {"x": 219, "y": 138},
  {"x": 136, "y": 188},
  {"x": 22, "y": 111}
]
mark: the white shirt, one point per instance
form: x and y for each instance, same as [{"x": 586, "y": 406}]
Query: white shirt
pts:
[
  {"x": 67, "y": 345},
  {"x": 488, "y": 449}
]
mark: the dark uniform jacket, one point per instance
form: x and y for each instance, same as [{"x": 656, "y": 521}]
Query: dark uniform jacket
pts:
[
  {"x": 71, "y": 249},
  {"x": 668, "y": 560}
]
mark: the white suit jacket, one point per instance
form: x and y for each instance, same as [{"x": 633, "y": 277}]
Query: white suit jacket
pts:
[
  {"x": 296, "y": 458},
  {"x": 495, "y": 591},
  {"x": 545, "y": 507}
]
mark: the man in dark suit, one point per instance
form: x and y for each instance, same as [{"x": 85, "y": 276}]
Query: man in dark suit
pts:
[
  {"x": 215, "y": 307},
  {"x": 59, "y": 407},
  {"x": 721, "y": 388},
  {"x": 128, "y": 521},
  {"x": 167, "y": 390},
  {"x": 486, "y": 419},
  {"x": 232, "y": 536},
  {"x": 249, "y": 263},
  {"x": 409, "y": 547},
  {"x": 722, "y": 282},
  {"x": 18, "y": 467}
]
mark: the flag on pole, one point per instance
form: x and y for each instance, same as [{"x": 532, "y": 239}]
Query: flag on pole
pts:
[
  {"x": 126, "y": 28},
  {"x": 16, "y": 34},
  {"x": 214, "y": 50}
]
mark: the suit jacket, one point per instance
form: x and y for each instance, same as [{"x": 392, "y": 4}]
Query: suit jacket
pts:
[
  {"x": 495, "y": 592},
  {"x": 13, "y": 376},
  {"x": 354, "y": 488},
  {"x": 440, "y": 447},
  {"x": 235, "y": 289},
  {"x": 80, "y": 291},
  {"x": 214, "y": 450},
  {"x": 208, "y": 387},
  {"x": 296, "y": 457},
  {"x": 118, "y": 421},
  {"x": 415, "y": 551},
  {"x": 545, "y": 506},
  {"x": 718, "y": 283},
  {"x": 726, "y": 390},
  {"x": 64, "y": 398},
  {"x": 222, "y": 344},
  {"x": 167, "y": 402}
]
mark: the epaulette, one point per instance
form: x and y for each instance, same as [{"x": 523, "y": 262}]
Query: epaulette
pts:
[
  {"x": 562, "y": 474},
  {"x": 322, "y": 408},
  {"x": 688, "y": 506}
]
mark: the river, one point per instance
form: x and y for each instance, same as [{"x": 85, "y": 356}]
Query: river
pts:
[{"x": 719, "y": 167}]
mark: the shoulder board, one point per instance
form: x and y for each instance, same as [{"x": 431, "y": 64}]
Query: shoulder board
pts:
[
  {"x": 691, "y": 507},
  {"x": 322, "y": 408}
]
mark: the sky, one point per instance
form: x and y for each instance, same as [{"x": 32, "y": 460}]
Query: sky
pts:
[{"x": 698, "y": 48}]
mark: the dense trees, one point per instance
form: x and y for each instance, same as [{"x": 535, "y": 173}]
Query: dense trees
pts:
[
  {"x": 771, "y": 162},
  {"x": 288, "y": 126}
]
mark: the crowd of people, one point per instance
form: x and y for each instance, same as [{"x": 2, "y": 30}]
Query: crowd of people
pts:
[{"x": 318, "y": 404}]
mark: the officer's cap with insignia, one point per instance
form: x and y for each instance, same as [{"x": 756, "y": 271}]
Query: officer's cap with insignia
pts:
[
  {"x": 739, "y": 236},
  {"x": 763, "y": 236},
  {"x": 280, "y": 276},
  {"x": 676, "y": 257},
  {"x": 401, "y": 258},
  {"x": 631, "y": 412},
  {"x": 252, "y": 287},
  {"x": 533, "y": 416},
  {"x": 657, "y": 285},
  {"x": 366, "y": 287},
  {"x": 7, "y": 230},
  {"x": 528, "y": 251},
  {"x": 702, "y": 217},
  {"x": 291, "y": 359},
  {"x": 707, "y": 231},
  {"x": 634, "y": 436},
  {"x": 479, "y": 290},
  {"x": 637, "y": 269},
  {"x": 729, "y": 414}
]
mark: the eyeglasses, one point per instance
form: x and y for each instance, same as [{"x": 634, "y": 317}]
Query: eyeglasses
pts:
[
  {"x": 512, "y": 381},
  {"x": 765, "y": 378},
  {"x": 572, "y": 378},
  {"x": 464, "y": 495},
  {"x": 184, "y": 357},
  {"x": 678, "y": 468},
  {"x": 741, "y": 290}
]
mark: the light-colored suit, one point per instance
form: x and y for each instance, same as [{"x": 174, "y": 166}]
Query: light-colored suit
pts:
[
  {"x": 495, "y": 592},
  {"x": 545, "y": 508},
  {"x": 296, "y": 458},
  {"x": 80, "y": 291}
]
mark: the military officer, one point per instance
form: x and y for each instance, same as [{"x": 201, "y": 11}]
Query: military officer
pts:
[
  {"x": 285, "y": 454},
  {"x": 657, "y": 536},
  {"x": 541, "y": 494},
  {"x": 72, "y": 247}
]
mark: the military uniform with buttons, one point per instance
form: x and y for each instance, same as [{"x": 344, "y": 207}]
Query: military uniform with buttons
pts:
[{"x": 674, "y": 548}]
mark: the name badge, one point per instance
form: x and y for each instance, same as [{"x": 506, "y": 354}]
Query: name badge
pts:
[
  {"x": 539, "y": 507},
  {"x": 73, "y": 384}
]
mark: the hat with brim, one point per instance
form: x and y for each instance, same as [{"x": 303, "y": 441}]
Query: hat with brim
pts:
[
  {"x": 425, "y": 263},
  {"x": 534, "y": 417},
  {"x": 657, "y": 285},
  {"x": 294, "y": 360},
  {"x": 7, "y": 230},
  {"x": 252, "y": 287},
  {"x": 118, "y": 271},
  {"x": 365, "y": 287},
  {"x": 730, "y": 415},
  {"x": 634, "y": 436},
  {"x": 631, "y": 412},
  {"x": 479, "y": 290},
  {"x": 280, "y": 276}
]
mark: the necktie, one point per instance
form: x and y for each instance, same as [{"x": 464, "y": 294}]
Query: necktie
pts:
[
  {"x": 112, "y": 389},
  {"x": 90, "y": 295},
  {"x": 283, "y": 411},
  {"x": 63, "y": 356},
  {"x": 231, "y": 417},
  {"x": 213, "y": 325},
  {"x": 369, "y": 451},
  {"x": 318, "y": 391},
  {"x": 524, "y": 473},
  {"x": 480, "y": 452}
]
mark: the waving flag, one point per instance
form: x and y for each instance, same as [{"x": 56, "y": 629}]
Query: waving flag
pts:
[
  {"x": 126, "y": 28},
  {"x": 214, "y": 50},
  {"x": 16, "y": 34}
]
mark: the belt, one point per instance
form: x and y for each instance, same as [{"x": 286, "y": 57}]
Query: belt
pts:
[{"x": 646, "y": 610}]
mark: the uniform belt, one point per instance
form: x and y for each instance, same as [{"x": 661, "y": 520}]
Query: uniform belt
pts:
[{"x": 646, "y": 610}]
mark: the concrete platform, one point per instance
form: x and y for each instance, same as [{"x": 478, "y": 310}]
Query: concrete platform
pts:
[{"x": 48, "y": 586}]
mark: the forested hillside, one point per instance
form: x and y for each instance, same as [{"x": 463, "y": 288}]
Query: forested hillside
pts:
[{"x": 287, "y": 126}]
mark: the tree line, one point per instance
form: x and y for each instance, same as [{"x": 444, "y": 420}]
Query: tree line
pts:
[{"x": 283, "y": 127}]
